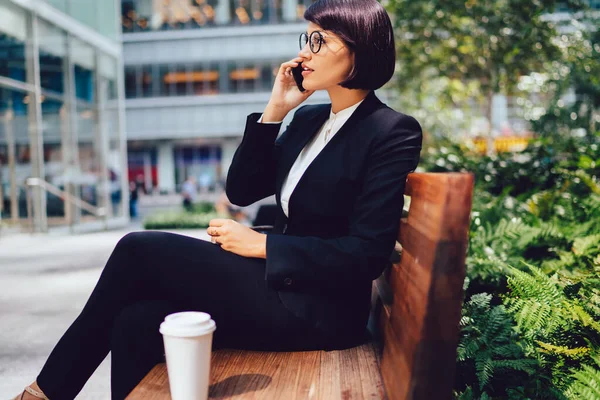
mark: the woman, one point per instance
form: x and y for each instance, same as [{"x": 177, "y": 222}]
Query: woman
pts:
[{"x": 338, "y": 173}]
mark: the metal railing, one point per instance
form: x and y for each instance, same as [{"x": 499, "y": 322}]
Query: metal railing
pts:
[{"x": 61, "y": 194}]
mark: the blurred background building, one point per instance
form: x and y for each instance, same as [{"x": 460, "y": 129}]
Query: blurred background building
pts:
[
  {"x": 185, "y": 73},
  {"x": 61, "y": 113},
  {"x": 194, "y": 70}
]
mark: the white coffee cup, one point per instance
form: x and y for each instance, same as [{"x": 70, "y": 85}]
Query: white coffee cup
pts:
[{"x": 188, "y": 342}]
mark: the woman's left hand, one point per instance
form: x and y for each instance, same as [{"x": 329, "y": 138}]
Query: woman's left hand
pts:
[{"x": 237, "y": 238}]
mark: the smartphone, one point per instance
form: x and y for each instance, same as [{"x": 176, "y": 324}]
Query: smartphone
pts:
[{"x": 297, "y": 73}]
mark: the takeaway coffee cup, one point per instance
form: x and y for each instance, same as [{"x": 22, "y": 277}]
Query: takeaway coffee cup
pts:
[{"x": 188, "y": 341}]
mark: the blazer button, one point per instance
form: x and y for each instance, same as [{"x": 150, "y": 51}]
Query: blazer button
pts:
[{"x": 287, "y": 281}]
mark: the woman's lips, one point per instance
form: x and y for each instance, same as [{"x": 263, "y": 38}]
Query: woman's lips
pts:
[{"x": 304, "y": 73}]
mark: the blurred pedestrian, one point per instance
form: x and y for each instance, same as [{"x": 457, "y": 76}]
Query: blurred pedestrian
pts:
[
  {"x": 189, "y": 191},
  {"x": 133, "y": 199}
]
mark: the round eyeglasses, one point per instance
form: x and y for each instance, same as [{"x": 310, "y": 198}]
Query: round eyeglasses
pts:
[{"x": 315, "y": 40}]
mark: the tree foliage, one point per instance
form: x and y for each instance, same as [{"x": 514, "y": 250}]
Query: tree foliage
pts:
[{"x": 459, "y": 51}]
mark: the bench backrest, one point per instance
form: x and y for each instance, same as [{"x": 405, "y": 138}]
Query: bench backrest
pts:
[{"x": 418, "y": 300}]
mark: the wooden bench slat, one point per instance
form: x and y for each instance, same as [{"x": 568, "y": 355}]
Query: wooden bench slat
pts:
[
  {"x": 421, "y": 335},
  {"x": 244, "y": 375},
  {"x": 152, "y": 387}
]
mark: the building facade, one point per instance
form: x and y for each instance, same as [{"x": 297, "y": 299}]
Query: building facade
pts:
[
  {"x": 194, "y": 70},
  {"x": 62, "y": 114}
]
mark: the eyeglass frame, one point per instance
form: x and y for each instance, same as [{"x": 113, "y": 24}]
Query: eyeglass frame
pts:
[{"x": 309, "y": 40}]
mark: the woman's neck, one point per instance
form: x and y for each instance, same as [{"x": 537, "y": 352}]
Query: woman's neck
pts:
[{"x": 342, "y": 98}]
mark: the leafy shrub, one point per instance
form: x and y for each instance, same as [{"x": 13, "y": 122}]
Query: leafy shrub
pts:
[
  {"x": 530, "y": 325},
  {"x": 179, "y": 220}
]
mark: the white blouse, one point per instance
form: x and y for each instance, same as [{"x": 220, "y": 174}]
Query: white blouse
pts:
[{"x": 311, "y": 150}]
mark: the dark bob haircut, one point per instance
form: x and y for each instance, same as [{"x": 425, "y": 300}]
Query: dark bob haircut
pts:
[{"x": 366, "y": 29}]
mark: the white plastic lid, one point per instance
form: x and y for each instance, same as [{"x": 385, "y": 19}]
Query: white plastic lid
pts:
[{"x": 187, "y": 324}]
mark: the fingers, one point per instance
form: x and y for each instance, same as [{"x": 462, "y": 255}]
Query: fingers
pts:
[
  {"x": 287, "y": 66},
  {"x": 218, "y": 221},
  {"x": 214, "y": 233},
  {"x": 219, "y": 226}
]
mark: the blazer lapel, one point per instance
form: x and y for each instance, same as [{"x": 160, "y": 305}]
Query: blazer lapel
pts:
[
  {"x": 310, "y": 126},
  {"x": 306, "y": 131}
]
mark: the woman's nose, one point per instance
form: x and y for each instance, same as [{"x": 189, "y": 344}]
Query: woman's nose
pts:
[{"x": 305, "y": 52}]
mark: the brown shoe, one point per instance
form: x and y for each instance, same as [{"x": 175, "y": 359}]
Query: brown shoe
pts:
[{"x": 36, "y": 393}]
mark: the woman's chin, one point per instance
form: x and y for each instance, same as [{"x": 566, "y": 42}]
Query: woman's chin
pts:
[{"x": 310, "y": 86}]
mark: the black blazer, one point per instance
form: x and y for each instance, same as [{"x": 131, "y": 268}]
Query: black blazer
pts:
[{"x": 344, "y": 213}]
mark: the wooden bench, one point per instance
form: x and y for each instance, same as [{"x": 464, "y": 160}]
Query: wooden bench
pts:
[{"x": 416, "y": 309}]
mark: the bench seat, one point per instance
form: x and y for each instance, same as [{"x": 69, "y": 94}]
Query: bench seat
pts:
[{"x": 244, "y": 375}]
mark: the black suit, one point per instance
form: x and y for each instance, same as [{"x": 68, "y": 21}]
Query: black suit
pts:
[
  {"x": 344, "y": 212},
  {"x": 320, "y": 262}
]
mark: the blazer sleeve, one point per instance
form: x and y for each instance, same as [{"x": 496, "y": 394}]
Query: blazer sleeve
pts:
[
  {"x": 251, "y": 175},
  {"x": 315, "y": 264}
]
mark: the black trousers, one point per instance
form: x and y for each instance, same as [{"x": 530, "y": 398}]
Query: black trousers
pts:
[{"x": 150, "y": 275}]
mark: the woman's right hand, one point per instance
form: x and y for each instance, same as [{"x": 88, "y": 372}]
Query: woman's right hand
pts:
[{"x": 286, "y": 95}]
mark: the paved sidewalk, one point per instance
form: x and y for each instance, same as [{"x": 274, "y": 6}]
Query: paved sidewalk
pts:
[{"x": 45, "y": 281}]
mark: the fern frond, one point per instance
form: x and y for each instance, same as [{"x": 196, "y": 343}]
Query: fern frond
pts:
[
  {"x": 576, "y": 352},
  {"x": 586, "y": 245},
  {"x": 485, "y": 371},
  {"x": 525, "y": 365},
  {"x": 586, "y": 383},
  {"x": 577, "y": 313}
]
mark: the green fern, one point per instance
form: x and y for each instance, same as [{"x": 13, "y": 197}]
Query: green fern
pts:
[
  {"x": 577, "y": 352},
  {"x": 586, "y": 383},
  {"x": 488, "y": 348},
  {"x": 587, "y": 245},
  {"x": 540, "y": 305}
]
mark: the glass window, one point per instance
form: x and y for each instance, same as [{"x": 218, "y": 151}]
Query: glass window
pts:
[
  {"x": 178, "y": 78},
  {"x": 302, "y": 6},
  {"x": 147, "y": 81},
  {"x": 243, "y": 77},
  {"x": 12, "y": 41},
  {"x": 131, "y": 72},
  {"x": 199, "y": 78},
  {"x": 14, "y": 124},
  {"x": 54, "y": 119},
  {"x": 244, "y": 12},
  {"x": 203, "y": 12},
  {"x": 268, "y": 73},
  {"x": 107, "y": 69},
  {"x": 82, "y": 55},
  {"x": 166, "y": 82},
  {"x": 54, "y": 123},
  {"x": 205, "y": 79},
  {"x": 127, "y": 16},
  {"x": 240, "y": 12},
  {"x": 53, "y": 48},
  {"x": 144, "y": 15},
  {"x": 87, "y": 176}
]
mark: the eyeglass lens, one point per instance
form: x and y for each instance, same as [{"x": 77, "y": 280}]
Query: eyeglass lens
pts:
[{"x": 316, "y": 39}]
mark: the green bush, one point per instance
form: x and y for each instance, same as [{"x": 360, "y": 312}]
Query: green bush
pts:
[
  {"x": 530, "y": 325},
  {"x": 179, "y": 220},
  {"x": 203, "y": 207}
]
